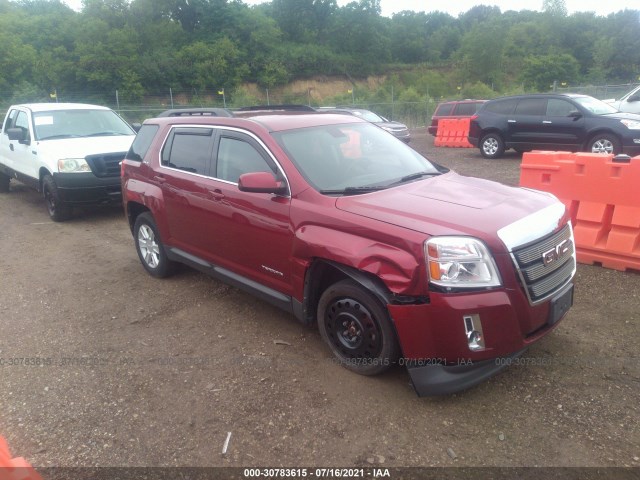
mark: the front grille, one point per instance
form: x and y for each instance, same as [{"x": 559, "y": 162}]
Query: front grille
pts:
[
  {"x": 105, "y": 165},
  {"x": 541, "y": 278}
]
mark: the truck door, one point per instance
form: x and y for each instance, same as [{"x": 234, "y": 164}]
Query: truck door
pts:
[{"x": 20, "y": 156}]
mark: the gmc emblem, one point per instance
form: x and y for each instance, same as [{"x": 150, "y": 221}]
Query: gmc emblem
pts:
[{"x": 554, "y": 254}]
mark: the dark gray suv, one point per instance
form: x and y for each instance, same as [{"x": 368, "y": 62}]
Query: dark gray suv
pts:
[{"x": 565, "y": 122}]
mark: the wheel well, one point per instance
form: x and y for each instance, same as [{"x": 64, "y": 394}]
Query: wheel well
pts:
[
  {"x": 324, "y": 273},
  {"x": 41, "y": 174},
  {"x": 600, "y": 132},
  {"x": 134, "y": 209}
]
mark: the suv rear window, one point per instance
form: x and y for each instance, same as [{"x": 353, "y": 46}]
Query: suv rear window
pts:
[
  {"x": 142, "y": 143},
  {"x": 467, "y": 109},
  {"x": 189, "y": 149},
  {"x": 532, "y": 106}
]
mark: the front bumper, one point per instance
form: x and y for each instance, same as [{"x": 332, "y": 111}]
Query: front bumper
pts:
[
  {"x": 87, "y": 189},
  {"x": 435, "y": 341},
  {"x": 439, "y": 379}
]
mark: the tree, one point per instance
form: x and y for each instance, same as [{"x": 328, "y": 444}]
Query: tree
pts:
[
  {"x": 555, "y": 7},
  {"x": 540, "y": 72}
]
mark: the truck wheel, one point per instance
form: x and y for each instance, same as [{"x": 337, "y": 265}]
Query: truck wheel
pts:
[
  {"x": 492, "y": 146},
  {"x": 58, "y": 211},
  {"x": 150, "y": 248},
  {"x": 357, "y": 328},
  {"x": 4, "y": 182},
  {"x": 604, "y": 143}
]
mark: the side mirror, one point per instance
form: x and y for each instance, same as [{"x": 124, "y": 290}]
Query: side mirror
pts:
[
  {"x": 575, "y": 114},
  {"x": 18, "y": 134},
  {"x": 261, "y": 182},
  {"x": 136, "y": 126}
]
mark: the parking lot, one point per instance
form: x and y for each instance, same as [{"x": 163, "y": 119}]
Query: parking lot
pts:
[{"x": 121, "y": 369}]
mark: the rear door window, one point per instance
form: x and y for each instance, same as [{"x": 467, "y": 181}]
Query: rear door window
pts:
[
  {"x": 504, "y": 107},
  {"x": 189, "y": 149},
  {"x": 531, "y": 106},
  {"x": 466, "y": 109},
  {"x": 444, "y": 109}
]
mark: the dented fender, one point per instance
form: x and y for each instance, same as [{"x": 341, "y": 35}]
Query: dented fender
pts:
[{"x": 396, "y": 267}]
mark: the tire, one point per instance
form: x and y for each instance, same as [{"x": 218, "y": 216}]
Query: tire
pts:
[
  {"x": 4, "y": 182},
  {"x": 58, "y": 210},
  {"x": 150, "y": 248},
  {"x": 492, "y": 146},
  {"x": 357, "y": 328},
  {"x": 604, "y": 143}
]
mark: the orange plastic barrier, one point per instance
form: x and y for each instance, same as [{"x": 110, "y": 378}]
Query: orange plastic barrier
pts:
[
  {"x": 453, "y": 132},
  {"x": 16, "y": 468},
  {"x": 603, "y": 197}
]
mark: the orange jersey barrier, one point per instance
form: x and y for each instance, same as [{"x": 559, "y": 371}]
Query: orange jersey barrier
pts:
[
  {"x": 453, "y": 132},
  {"x": 16, "y": 468},
  {"x": 603, "y": 197}
]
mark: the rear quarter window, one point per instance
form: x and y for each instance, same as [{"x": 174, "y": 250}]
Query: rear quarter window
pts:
[{"x": 142, "y": 142}]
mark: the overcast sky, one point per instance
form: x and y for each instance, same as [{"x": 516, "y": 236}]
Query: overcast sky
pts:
[{"x": 389, "y": 7}]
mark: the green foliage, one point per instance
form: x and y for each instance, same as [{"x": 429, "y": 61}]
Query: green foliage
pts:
[
  {"x": 141, "y": 46},
  {"x": 539, "y": 73}
]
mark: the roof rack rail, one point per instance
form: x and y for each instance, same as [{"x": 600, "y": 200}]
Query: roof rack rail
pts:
[
  {"x": 290, "y": 108},
  {"x": 196, "y": 112}
]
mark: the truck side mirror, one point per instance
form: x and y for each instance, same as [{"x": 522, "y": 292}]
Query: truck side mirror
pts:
[{"x": 18, "y": 134}]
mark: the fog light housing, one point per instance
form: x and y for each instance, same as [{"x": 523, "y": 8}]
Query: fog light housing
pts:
[{"x": 473, "y": 331}]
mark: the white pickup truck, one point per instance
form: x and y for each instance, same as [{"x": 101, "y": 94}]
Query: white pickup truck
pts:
[
  {"x": 629, "y": 102},
  {"x": 70, "y": 152}
]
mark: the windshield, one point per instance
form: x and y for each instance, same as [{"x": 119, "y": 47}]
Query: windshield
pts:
[
  {"x": 595, "y": 106},
  {"x": 79, "y": 123},
  {"x": 344, "y": 158}
]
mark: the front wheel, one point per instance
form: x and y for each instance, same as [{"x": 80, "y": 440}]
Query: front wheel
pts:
[
  {"x": 58, "y": 210},
  {"x": 357, "y": 328},
  {"x": 492, "y": 146},
  {"x": 604, "y": 143},
  {"x": 150, "y": 248}
]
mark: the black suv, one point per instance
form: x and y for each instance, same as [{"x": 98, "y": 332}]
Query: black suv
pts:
[{"x": 567, "y": 122}]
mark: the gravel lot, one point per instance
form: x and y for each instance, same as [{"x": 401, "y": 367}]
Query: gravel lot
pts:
[{"x": 145, "y": 372}]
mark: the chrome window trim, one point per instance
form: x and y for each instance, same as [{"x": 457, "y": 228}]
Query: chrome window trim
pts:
[{"x": 218, "y": 128}]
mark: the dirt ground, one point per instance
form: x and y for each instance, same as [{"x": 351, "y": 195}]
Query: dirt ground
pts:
[{"x": 136, "y": 371}]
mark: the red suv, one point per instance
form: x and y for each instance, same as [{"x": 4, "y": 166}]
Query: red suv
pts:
[
  {"x": 396, "y": 259},
  {"x": 454, "y": 109}
]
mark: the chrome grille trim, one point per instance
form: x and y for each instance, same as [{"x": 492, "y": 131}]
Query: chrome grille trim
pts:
[{"x": 541, "y": 281}]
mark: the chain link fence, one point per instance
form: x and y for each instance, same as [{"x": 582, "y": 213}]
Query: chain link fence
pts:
[{"x": 413, "y": 114}]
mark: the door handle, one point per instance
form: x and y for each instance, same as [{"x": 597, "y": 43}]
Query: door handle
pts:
[
  {"x": 511, "y": 121},
  {"x": 216, "y": 194},
  {"x": 159, "y": 179},
  {"x": 548, "y": 122}
]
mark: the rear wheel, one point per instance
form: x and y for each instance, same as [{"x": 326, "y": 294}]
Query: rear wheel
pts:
[
  {"x": 4, "y": 182},
  {"x": 58, "y": 210},
  {"x": 492, "y": 146},
  {"x": 604, "y": 143},
  {"x": 357, "y": 328},
  {"x": 150, "y": 248}
]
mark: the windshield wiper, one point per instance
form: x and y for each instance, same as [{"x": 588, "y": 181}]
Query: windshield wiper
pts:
[
  {"x": 104, "y": 134},
  {"x": 57, "y": 137},
  {"x": 417, "y": 175},
  {"x": 354, "y": 190}
]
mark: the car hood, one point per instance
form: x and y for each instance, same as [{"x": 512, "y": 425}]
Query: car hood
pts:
[
  {"x": 392, "y": 125},
  {"x": 622, "y": 116},
  {"x": 83, "y": 146},
  {"x": 452, "y": 204}
]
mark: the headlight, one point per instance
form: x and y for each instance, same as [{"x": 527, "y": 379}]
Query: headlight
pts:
[
  {"x": 73, "y": 165},
  {"x": 460, "y": 262},
  {"x": 631, "y": 124}
]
